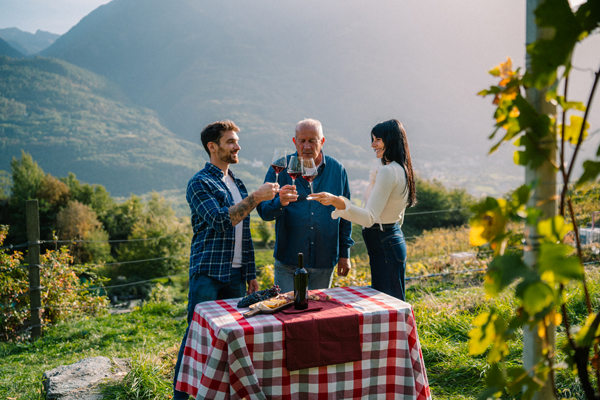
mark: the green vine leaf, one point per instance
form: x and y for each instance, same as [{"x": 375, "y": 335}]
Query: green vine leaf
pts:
[
  {"x": 502, "y": 271},
  {"x": 557, "y": 264},
  {"x": 570, "y": 105},
  {"x": 554, "y": 229},
  {"x": 588, "y": 15},
  {"x": 536, "y": 297},
  {"x": 591, "y": 169},
  {"x": 549, "y": 54}
]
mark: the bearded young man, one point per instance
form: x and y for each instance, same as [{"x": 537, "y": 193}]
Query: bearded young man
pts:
[{"x": 222, "y": 253}]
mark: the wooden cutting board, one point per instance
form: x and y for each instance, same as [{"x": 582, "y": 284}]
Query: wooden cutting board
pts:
[{"x": 257, "y": 309}]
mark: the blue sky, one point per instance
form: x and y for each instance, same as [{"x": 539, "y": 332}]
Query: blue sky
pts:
[{"x": 56, "y": 16}]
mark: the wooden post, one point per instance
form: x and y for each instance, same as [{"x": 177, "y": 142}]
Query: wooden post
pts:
[
  {"x": 543, "y": 198},
  {"x": 33, "y": 236}
]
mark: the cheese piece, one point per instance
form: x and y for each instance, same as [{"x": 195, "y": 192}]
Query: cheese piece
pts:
[{"x": 274, "y": 303}]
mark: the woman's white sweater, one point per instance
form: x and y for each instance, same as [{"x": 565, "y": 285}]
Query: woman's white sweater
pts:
[{"x": 385, "y": 203}]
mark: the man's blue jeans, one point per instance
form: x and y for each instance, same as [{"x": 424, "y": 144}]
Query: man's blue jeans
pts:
[
  {"x": 317, "y": 278},
  {"x": 387, "y": 256},
  {"x": 204, "y": 288}
]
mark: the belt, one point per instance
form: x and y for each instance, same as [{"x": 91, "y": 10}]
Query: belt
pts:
[{"x": 385, "y": 227}]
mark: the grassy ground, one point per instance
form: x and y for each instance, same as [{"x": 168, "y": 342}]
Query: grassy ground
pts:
[{"x": 444, "y": 308}]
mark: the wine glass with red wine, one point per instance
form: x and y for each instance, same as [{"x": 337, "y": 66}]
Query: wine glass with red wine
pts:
[
  {"x": 309, "y": 171},
  {"x": 294, "y": 168},
  {"x": 279, "y": 162}
]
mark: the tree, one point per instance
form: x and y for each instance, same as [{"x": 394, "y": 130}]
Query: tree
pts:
[
  {"x": 539, "y": 286},
  {"x": 433, "y": 196},
  {"x": 27, "y": 177},
  {"x": 78, "y": 222},
  {"x": 159, "y": 237},
  {"x": 5, "y": 185}
]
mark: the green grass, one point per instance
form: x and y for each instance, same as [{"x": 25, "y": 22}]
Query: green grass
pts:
[
  {"x": 154, "y": 330},
  {"x": 150, "y": 336}
]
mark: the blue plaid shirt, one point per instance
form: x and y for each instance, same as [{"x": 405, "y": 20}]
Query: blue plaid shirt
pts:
[{"x": 214, "y": 235}]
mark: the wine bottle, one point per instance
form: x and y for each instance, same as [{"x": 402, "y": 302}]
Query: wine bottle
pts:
[{"x": 300, "y": 285}]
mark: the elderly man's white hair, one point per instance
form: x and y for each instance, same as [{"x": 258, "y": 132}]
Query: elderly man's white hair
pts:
[{"x": 309, "y": 122}]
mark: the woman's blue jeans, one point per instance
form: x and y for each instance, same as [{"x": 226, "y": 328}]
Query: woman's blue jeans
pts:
[{"x": 387, "y": 256}]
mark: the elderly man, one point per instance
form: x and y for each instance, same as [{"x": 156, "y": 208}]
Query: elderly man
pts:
[
  {"x": 304, "y": 226},
  {"x": 222, "y": 255}
]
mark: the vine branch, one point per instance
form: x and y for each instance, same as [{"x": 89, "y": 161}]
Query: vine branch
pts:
[
  {"x": 580, "y": 138},
  {"x": 562, "y": 152}
]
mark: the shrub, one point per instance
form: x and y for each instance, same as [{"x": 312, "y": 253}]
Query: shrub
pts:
[{"x": 65, "y": 290}]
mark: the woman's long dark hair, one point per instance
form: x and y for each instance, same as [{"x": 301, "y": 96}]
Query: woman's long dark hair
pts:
[{"x": 393, "y": 135}]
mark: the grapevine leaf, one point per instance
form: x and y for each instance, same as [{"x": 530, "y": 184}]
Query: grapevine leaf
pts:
[
  {"x": 495, "y": 378},
  {"x": 591, "y": 169},
  {"x": 588, "y": 15},
  {"x": 520, "y": 196},
  {"x": 548, "y": 54},
  {"x": 554, "y": 258},
  {"x": 570, "y": 105},
  {"x": 483, "y": 334},
  {"x": 488, "y": 222},
  {"x": 536, "y": 296},
  {"x": 490, "y": 393},
  {"x": 554, "y": 229},
  {"x": 502, "y": 271},
  {"x": 519, "y": 380},
  {"x": 585, "y": 337},
  {"x": 531, "y": 155},
  {"x": 573, "y": 130}
]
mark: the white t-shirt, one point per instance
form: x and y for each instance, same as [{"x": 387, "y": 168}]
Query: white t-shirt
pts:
[{"x": 237, "y": 197}]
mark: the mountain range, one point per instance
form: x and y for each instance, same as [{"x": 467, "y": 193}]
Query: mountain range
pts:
[
  {"x": 267, "y": 64},
  {"x": 7, "y": 50},
  {"x": 72, "y": 120},
  {"x": 27, "y": 43}
]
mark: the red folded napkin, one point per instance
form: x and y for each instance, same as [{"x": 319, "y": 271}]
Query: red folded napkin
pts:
[
  {"x": 312, "y": 306},
  {"x": 322, "y": 337}
]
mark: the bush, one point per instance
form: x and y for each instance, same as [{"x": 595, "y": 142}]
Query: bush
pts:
[{"x": 65, "y": 290}]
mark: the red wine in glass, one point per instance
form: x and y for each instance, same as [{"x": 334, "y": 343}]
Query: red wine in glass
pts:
[
  {"x": 279, "y": 162},
  {"x": 277, "y": 168},
  {"x": 294, "y": 168},
  {"x": 294, "y": 176},
  {"x": 309, "y": 171}
]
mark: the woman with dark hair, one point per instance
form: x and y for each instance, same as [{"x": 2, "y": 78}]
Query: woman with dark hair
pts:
[{"x": 391, "y": 189}]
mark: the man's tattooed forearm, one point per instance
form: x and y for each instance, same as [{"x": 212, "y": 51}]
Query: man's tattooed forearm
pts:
[{"x": 241, "y": 210}]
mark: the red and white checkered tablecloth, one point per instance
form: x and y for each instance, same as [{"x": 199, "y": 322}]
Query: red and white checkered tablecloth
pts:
[{"x": 230, "y": 357}]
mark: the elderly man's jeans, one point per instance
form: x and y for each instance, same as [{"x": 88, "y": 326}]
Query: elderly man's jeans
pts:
[
  {"x": 204, "y": 288},
  {"x": 387, "y": 256}
]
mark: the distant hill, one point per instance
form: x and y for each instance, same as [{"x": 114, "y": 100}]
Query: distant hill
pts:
[
  {"x": 72, "y": 120},
  {"x": 9, "y": 51},
  {"x": 267, "y": 64},
  {"x": 28, "y": 43}
]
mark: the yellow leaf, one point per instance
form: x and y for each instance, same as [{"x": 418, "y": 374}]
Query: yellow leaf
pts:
[
  {"x": 486, "y": 227},
  {"x": 573, "y": 130},
  {"x": 475, "y": 236}
]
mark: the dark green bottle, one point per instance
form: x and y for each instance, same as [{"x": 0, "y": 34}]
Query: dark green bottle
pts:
[{"x": 300, "y": 285}]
